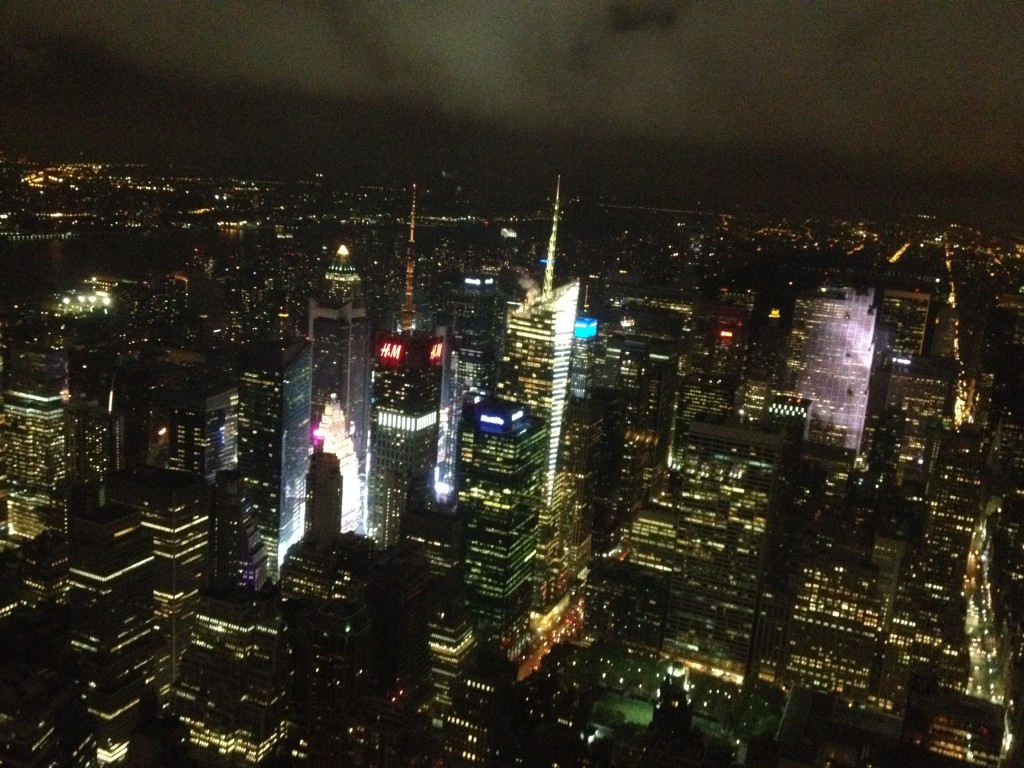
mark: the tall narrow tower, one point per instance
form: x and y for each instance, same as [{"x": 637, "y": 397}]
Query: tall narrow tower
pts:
[{"x": 535, "y": 372}]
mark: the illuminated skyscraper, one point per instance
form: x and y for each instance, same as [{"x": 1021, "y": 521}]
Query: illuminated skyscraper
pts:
[
  {"x": 725, "y": 500},
  {"x": 175, "y": 512},
  {"x": 342, "y": 282},
  {"x": 33, "y": 438},
  {"x": 404, "y": 429},
  {"x": 405, "y": 417},
  {"x": 340, "y": 334},
  {"x": 475, "y": 326},
  {"x": 476, "y": 315},
  {"x": 582, "y": 361},
  {"x": 232, "y": 691},
  {"x": 273, "y": 442},
  {"x": 112, "y": 621},
  {"x": 501, "y": 474},
  {"x": 835, "y": 625},
  {"x": 927, "y": 631},
  {"x": 830, "y": 362},
  {"x": 202, "y": 429},
  {"x": 535, "y": 372}
]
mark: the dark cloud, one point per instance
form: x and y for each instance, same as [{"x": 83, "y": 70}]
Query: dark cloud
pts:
[
  {"x": 637, "y": 15},
  {"x": 914, "y": 89}
]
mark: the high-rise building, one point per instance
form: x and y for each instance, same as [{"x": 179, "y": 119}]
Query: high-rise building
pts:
[
  {"x": 237, "y": 554},
  {"x": 342, "y": 282},
  {"x": 406, "y": 415},
  {"x": 535, "y": 372},
  {"x": 232, "y": 693},
  {"x": 582, "y": 360},
  {"x": 404, "y": 428},
  {"x": 835, "y": 626},
  {"x": 273, "y": 442},
  {"x": 921, "y": 394},
  {"x": 830, "y": 362},
  {"x": 474, "y": 727},
  {"x": 33, "y": 438},
  {"x": 202, "y": 429},
  {"x": 927, "y": 631},
  {"x": 323, "y": 508},
  {"x": 724, "y": 497},
  {"x": 501, "y": 475},
  {"x": 904, "y": 319},
  {"x": 340, "y": 335},
  {"x": 112, "y": 619},
  {"x": 476, "y": 324},
  {"x": 175, "y": 512},
  {"x": 453, "y": 648},
  {"x": 44, "y": 562},
  {"x": 339, "y": 678},
  {"x": 88, "y": 430}
]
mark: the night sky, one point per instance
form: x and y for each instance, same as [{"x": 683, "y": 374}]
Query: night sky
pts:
[{"x": 886, "y": 105}]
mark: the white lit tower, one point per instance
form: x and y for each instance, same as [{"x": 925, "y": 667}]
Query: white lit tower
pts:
[
  {"x": 535, "y": 371},
  {"x": 832, "y": 344},
  {"x": 405, "y": 415}
]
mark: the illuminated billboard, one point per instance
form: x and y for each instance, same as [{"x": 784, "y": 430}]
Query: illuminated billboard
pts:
[
  {"x": 390, "y": 352},
  {"x": 585, "y": 328}
]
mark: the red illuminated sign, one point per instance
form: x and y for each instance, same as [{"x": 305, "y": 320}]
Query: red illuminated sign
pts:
[
  {"x": 726, "y": 334},
  {"x": 390, "y": 352},
  {"x": 435, "y": 352}
]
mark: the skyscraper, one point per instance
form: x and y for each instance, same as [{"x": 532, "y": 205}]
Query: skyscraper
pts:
[
  {"x": 405, "y": 417},
  {"x": 175, "y": 512},
  {"x": 341, "y": 644},
  {"x": 342, "y": 282},
  {"x": 274, "y": 440},
  {"x": 112, "y": 620},
  {"x": 501, "y": 474},
  {"x": 724, "y": 500},
  {"x": 202, "y": 429},
  {"x": 535, "y": 372},
  {"x": 232, "y": 691},
  {"x": 830, "y": 362},
  {"x": 340, "y": 334},
  {"x": 33, "y": 437}
]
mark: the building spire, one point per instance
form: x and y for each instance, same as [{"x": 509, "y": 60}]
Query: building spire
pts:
[
  {"x": 549, "y": 269},
  {"x": 408, "y": 309}
]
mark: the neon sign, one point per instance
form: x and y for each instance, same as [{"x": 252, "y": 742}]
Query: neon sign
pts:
[
  {"x": 390, "y": 351},
  {"x": 436, "y": 350},
  {"x": 726, "y": 334},
  {"x": 488, "y": 419}
]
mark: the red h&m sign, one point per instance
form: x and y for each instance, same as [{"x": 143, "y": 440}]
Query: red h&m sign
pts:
[
  {"x": 390, "y": 352},
  {"x": 436, "y": 351}
]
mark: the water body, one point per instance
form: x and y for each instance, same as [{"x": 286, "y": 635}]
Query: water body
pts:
[{"x": 35, "y": 268}]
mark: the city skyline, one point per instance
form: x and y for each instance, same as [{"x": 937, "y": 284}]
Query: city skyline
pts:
[{"x": 294, "y": 473}]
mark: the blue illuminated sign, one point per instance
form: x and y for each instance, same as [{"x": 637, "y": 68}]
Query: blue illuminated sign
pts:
[{"x": 586, "y": 328}]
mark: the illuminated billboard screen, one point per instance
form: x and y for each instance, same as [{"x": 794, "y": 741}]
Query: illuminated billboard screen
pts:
[{"x": 586, "y": 328}]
